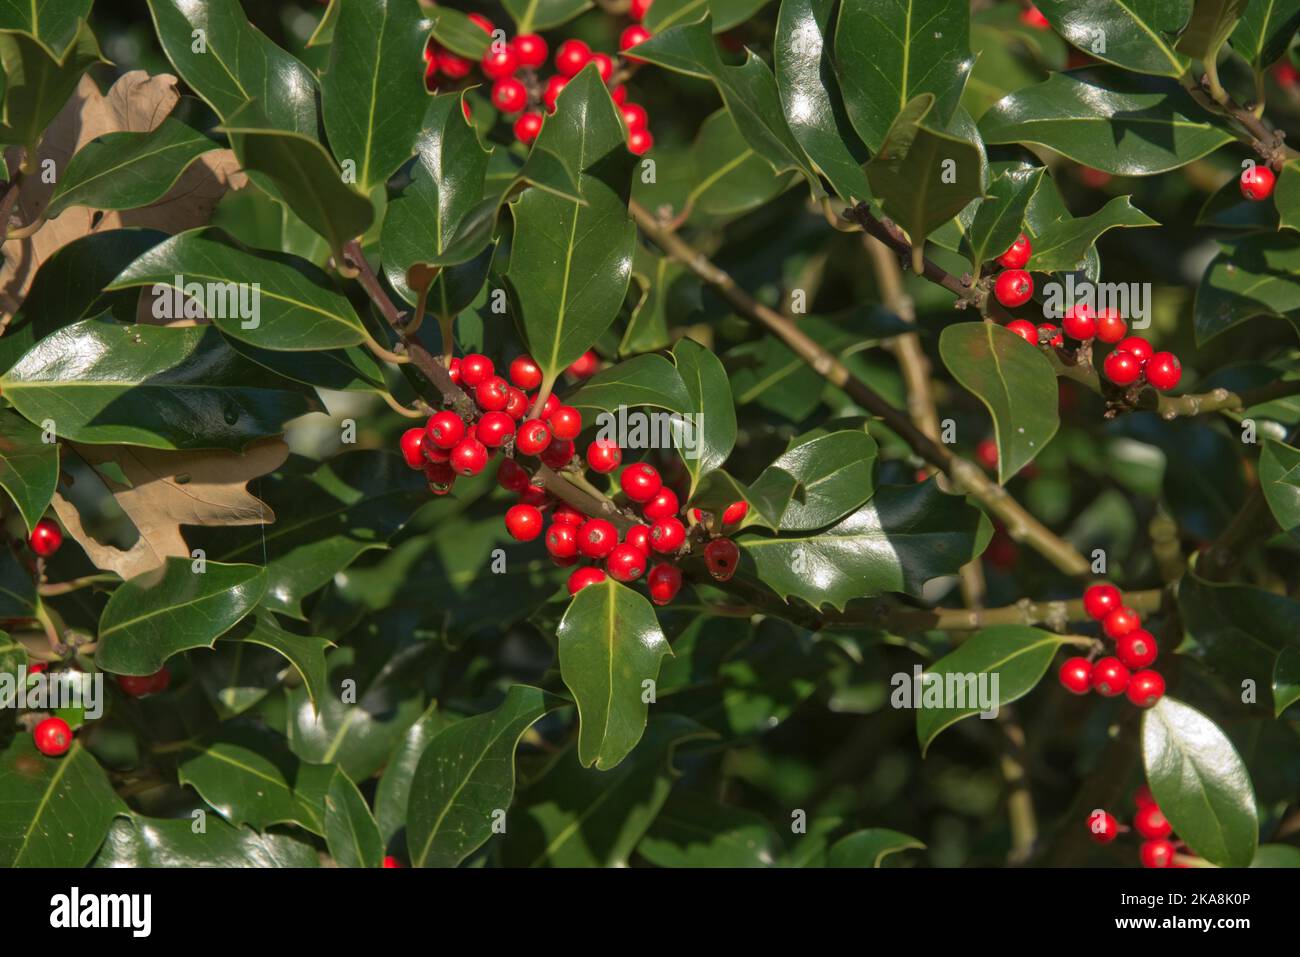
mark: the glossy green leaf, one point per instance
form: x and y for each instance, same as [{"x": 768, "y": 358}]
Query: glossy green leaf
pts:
[
  {"x": 392, "y": 795},
  {"x": 136, "y": 841},
  {"x": 729, "y": 177},
  {"x": 1108, "y": 120},
  {"x": 1000, "y": 216},
  {"x": 534, "y": 15},
  {"x": 1063, "y": 245},
  {"x": 693, "y": 831},
  {"x": 372, "y": 93},
  {"x": 351, "y": 833},
  {"x": 466, "y": 776},
  {"x": 1258, "y": 276},
  {"x": 1135, "y": 34},
  {"x": 1286, "y": 197},
  {"x": 868, "y": 848},
  {"x": 1200, "y": 782},
  {"x": 339, "y": 370},
  {"x": 459, "y": 34},
  {"x": 17, "y": 587},
  {"x": 160, "y": 387},
  {"x": 1015, "y": 382},
  {"x": 648, "y": 380},
  {"x": 235, "y": 63},
  {"x": 1212, "y": 22},
  {"x": 610, "y": 644},
  {"x": 162, "y": 613},
  {"x": 818, "y": 481},
  {"x": 38, "y": 82},
  {"x": 1276, "y": 855},
  {"x": 290, "y": 312},
  {"x": 708, "y": 444},
  {"x": 237, "y": 676},
  {"x": 305, "y": 652},
  {"x": 55, "y": 23},
  {"x": 668, "y": 289},
  {"x": 889, "y": 52},
  {"x": 29, "y": 466},
  {"x": 1279, "y": 478},
  {"x": 1265, "y": 30},
  {"x": 1286, "y": 679}
]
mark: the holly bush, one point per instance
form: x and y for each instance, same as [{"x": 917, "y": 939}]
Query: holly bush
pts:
[{"x": 650, "y": 432}]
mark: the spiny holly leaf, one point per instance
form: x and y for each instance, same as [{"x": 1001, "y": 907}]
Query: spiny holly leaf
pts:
[
  {"x": 713, "y": 434},
  {"x": 137, "y": 841},
  {"x": 1258, "y": 276},
  {"x": 1279, "y": 477},
  {"x": 1000, "y": 216},
  {"x": 55, "y": 24},
  {"x": 160, "y": 387},
  {"x": 161, "y": 613},
  {"x": 305, "y": 652},
  {"x": 1135, "y": 34},
  {"x": 235, "y": 62},
  {"x": 533, "y": 15},
  {"x": 888, "y": 52},
  {"x": 870, "y": 847},
  {"x": 372, "y": 93},
  {"x": 291, "y": 312},
  {"x": 694, "y": 831},
  {"x": 610, "y": 644},
  {"x": 351, "y": 833},
  {"x": 54, "y": 812},
  {"x": 648, "y": 380},
  {"x": 1212, "y": 21},
  {"x": 127, "y": 170},
  {"x": 814, "y": 108},
  {"x": 767, "y": 504},
  {"x": 1064, "y": 244},
  {"x": 1109, "y": 120},
  {"x": 38, "y": 82},
  {"x": 1265, "y": 30},
  {"x": 1015, "y": 382},
  {"x": 29, "y": 466},
  {"x": 818, "y": 480},
  {"x": 1015, "y": 656},
  {"x": 1200, "y": 783},
  {"x": 466, "y": 776},
  {"x": 571, "y": 263}
]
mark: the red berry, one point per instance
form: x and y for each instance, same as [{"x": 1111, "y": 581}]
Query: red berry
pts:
[
  {"x": 568, "y": 515},
  {"x": 482, "y": 22},
  {"x": 631, "y": 37},
  {"x": 565, "y": 422},
  {"x": 638, "y": 535},
  {"x": 603, "y": 456},
  {"x": 533, "y": 437},
  {"x": 1157, "y": 853},
  {"x": 639, "y": 9},
  {"x": 500, "y": 62},
  {"x": 582, "y": 577},
  {"x": 722, "y": 556},
  {"x": 453, "y": 369},
  {"x": 1102, "y": 827},
  {"x": 1143, "y": 796},
  {"x": 1109, "y": 677},
  {"x": 46, "y": 538},
  {"x": 53, "y": 737},
  {"x": 1285, "y": 75},
  {"x": 585, "y": 366},
  {"x": 512, "y": 476},
  {"x": 137, "y": 686},
  {"x": 524, "y": 522},
  {"x": 1146, "y": 688},
  {"x": 1033, "y": 17},
  {"x": 640, "y": 482},
  {"x": 1100, "y": 600},
  {"x": 509, "y": 95},
  {"x": 597, "y": 538},
  {"x": 516, "y": 403},
  {"x": 1013, "y": 287},
  {"x": 664, "y": 504},
  {"x": 492, "y": 394},
  {"x": 562, "y": 540},
  {"x": 494, "y": 428},
  {"x": 524, "y": 372},
  {"x": 604, "y": 66},
  {"x": 469, "y": 457},
  {"x": 530, "y": 49},
  {"x": 552, "y": 92},
  {"x": 1079, "y": 323},
  {"x": 1163, "y": 370},
  {"x": 664, "y": 581},
  {"x": 1076, "y": 675},
  {"x": 390, "y": 861},
  {"x": 551, "y": 404},
  {"x": 1052, "y": 333},
  {"x": 413, "y": 448},
  {"x": 445, "y": 429},
  {"x": 1137, "y": 649},
  {"x": 1135, "y": 346},
  {"x": 453, "y": 67},
  {"x": 1122, "y": 368},
  {"x": 1111, "y": 327},
  {"x": 571, "y": 57},
  {"x": 1120, "y": 622},
  {"x": 527, "y": 127},
  {"x": 626, "y": 563},
  {"x": 735, "y": 513},
  {"x": 558, "y": 453},
  {"x": 1149, "y": 822},
  {"x": 640, "y": 142},
  {"x": 533, "y": 495},
  {"x": 37, "y": 667},
  {"x": 987, "y": 453},
  {"x": 619, "y": 95},
  {"x": 634, "y": 116},
  {"x": 667, "y": 535},
  {"x": 1025, "y": 330},
  {"x": 1257, "y": 182},
  {"x": 1017, "y": 253},
  {"x": 474, "y": 369},
  {"x": 440, "y": 476}
]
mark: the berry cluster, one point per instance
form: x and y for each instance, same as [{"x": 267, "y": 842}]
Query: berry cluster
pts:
[
  {"x": 1127, "y": 671},
  {"x": 53, "y": 736},
  {"x": 1157, "y": 849},
  {"x": 518, "y": 92}
]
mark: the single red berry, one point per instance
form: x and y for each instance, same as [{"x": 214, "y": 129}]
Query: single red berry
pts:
[
  {"x": 534, "y": 495},
  {"x": 552, "y": 403},
  {"x": 565, "y": 422},
  {"x": 667, "y": 535},
  {"x": 631, "y": 37},
  {"x": 512, "y": 476},
  {"x": 1286, "y": 75},
  {"x": 562, "y": 540},
  {"x": 440, "y": 476},
  {"x": 469, "y": 457},
  {"x": 1109, "y": 677},
  {"x": 1076, "y": 675},
  {"x": 597, "y": 538},
  {"x": 722, "y": 557},
  {"x": 509, "y": 95},
  {"x": 1163, "y": 371},
  {"x": 585, "y": 366},
  {"x": 1122, "y": 368},
  {"x": 1017, "y": 253},
  {"x": 1149, "y": 822},
  {"x": 571, "y": 57},
  {"x": 492, "y": 394},
  {"x": 474, "y": 369},
  {"x": 1102, "y": 826},
  {"x": 619, "y": 95},
  {"x": 626, "y": 563},
  {"x": 37, "y": 667},
  {"x": 604, "y": 66},
  {"x": 46, "y": 538},
  {"x": 413, "y": 448},
  {"x": 640, "y": 482},
  {"x": 516, "y": 403},
  {"x": 634, "y": 116},
  {"x": 494, "y": 428},
  {"x": 1079, "y": 323},
  {"x": 558, "y": 453},
  {"x": 1143, "y": 796},
  {"x": 53, "y": 737},
  {"x": 1013, "y": 287},
  {"x": 664, "y": 504},
  {"x": 664, "y": 581},
  {"x": 638, "y": 535},
  {"x": 551, "y": 94},
  {"x": 582, "y": 577},
  {"x": 1135, "y": 346},
  {"x": 1025, "y": 330},
  {"x": 640, "y": 142},
  {"x": 1120, "y": 622},
  {"x": 1100, "y": 600},
  {"x": 568, "y": 515},
  {"x": 987, "y": 453},
  {"x": 1111, "y": 326},
  {"x": 445, "y": 429},
  {"x": 1137, "y": 649},
  {"x": 1257, "y": 182},
  {"x": 1146, "y": 688},
  {"x": 453, "y": 369},
  {"x": 530, "y": 49},
  {"x": 390, "y": 861},
  {"x": 500, "y": 62},
  {"x": 1157, "y": 853},
  {"x": 735, "y": 513},
  {"x": 524, "y": 371},
  {"x": 533, "y": 437},
  {"x": 639, "y": 9},
  {"x": 434, "y": 454},
  {"x": 524, "y": 522},
  {"x": 1031, "y": 16},
  {"x": 482, "y": 22},
  {"x": 1051, "y": 332},
  {"x": 527, "y": 127},
  {"x": 603, "y": 456},
  {"x": 137, "y": 686},
  {"x": 453, "y": 67}
]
